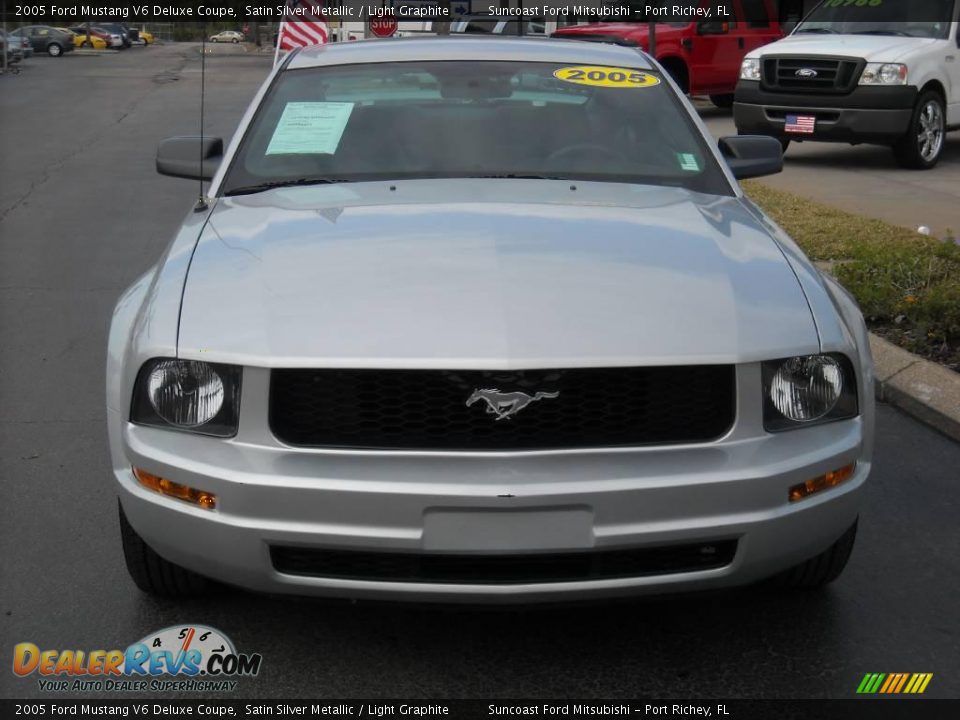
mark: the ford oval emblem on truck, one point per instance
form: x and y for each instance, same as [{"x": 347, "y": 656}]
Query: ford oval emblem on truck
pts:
[{"x": 806, "y": 73}]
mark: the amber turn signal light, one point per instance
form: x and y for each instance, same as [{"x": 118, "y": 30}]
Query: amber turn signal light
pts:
[
  {"x": 823, "y": 482},
  {"x": 201, "y": 498}
]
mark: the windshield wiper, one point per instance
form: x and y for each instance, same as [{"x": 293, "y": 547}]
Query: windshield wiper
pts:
[
  {"x": 261, "y": 187},
  {"x": 819, "y": 31},
  {"x": 883, "y": 32}
]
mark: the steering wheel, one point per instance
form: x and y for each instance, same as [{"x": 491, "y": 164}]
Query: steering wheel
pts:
[{"x": 584, "y": 149}]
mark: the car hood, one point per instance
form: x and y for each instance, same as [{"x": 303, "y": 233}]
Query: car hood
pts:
[
  {"x": 872, "y": 48},
  {"x": 489, "y": 273}
]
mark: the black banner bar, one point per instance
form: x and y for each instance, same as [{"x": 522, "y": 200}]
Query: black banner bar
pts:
[
  {"x": 71, "y": 12},
  {"x": 865, "y": 709}
]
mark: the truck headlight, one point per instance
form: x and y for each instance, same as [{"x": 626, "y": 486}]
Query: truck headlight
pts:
[
  {"x": 808, "y": 390},
  {"x": 750, "y": 69},
  {"x": 884, "y": 74},
  {"x": 187, "y": 395}
]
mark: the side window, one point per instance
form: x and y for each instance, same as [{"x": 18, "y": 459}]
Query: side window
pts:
[{"x": 755, "y": 13}]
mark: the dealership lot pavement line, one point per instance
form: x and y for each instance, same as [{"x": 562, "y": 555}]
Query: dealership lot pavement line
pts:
[{"x": 924, "y": 390}]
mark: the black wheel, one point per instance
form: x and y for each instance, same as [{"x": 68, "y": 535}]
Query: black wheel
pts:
[
  {"x": 822, "y": 569},
  {"x": 54, "y": 50},
  {"x": 678, "y": 71},
  {"x": 151, "y": 573},
  {"x": 85, "y": 44},
  {"x": 234, "y": 41},
  {"x": 921, "y": 147},
  {"x": 722, "y": 101}
]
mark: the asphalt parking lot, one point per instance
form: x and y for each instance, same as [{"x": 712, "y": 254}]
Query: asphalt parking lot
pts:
[
  {"x": 865, "y": 179},
  {"x": 82, "y": 213}
]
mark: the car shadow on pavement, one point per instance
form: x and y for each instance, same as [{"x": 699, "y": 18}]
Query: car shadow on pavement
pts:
[{"x": 663, "y": 645}]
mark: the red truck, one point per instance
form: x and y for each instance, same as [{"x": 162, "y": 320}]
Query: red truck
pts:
[{"x": 703, "y": 57}]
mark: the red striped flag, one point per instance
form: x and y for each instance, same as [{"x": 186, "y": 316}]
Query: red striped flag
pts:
[{"x": 308, "y": 27}]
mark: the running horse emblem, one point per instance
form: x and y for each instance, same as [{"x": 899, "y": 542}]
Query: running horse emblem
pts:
[{"x": 507, "y": 404}]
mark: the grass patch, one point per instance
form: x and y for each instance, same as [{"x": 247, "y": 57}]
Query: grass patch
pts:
[{"x": 907, "y": 284}]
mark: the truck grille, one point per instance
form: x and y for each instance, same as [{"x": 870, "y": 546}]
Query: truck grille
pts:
[
  {"x": 501, "y": 569},
  {"x": 427, "y": 410},
  {"x": 833, "y": 76}
]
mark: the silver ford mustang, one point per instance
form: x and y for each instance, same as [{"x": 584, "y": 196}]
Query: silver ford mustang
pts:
[{"x": 483, "y": 320}]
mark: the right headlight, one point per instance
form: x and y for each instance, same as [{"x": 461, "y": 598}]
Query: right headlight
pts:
[
  {"x": 808, "y": 390},
  {"x": 884, "y": 74},
  {"x": 750, "y": 69},
  {"x": 187, "y": 395}
]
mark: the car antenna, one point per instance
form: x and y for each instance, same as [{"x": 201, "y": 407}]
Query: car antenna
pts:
[{"x": 201, "y": 200}]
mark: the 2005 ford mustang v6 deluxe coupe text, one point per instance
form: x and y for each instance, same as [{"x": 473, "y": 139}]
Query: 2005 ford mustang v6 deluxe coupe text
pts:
[{"x": 483, "y": 320}]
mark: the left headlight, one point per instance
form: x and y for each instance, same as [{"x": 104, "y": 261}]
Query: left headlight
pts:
[
  {"x": 750, "y": 69},
  {"x": 188, "y": 395},
  {"x": 808, "y": 390},
  {"x": 884, "y": 74}
]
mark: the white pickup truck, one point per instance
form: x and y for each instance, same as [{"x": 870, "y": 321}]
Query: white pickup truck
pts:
[{"x": 885, "y": 72}]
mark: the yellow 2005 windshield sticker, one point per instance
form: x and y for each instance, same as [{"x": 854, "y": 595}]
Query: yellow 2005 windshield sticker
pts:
[{"x": 612, "y": 77}]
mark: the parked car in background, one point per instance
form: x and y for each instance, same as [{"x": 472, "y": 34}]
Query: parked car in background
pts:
[
  {"x": 112, "y": 40},
  {"x": 485, "y": 25},
  {"x": 46, "y": 39},
  {"x": 10, "y": 47},
  {"x": 146, "y": 37},
  {"x": 702, "y": 57},
  {"x": 26, "y": 49},
  {"x": 81, "y": 40},
  {"x": 118, "y": 29},
  {"x": 886, "y": 74},
  {"x": 230, "y": 36}
]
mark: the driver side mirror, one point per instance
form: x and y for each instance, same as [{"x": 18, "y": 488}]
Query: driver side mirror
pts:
[
  {"x": 751, "y": 156},
  {"x": 190, "y": 157},
  {"x": 713, "y": 27}
]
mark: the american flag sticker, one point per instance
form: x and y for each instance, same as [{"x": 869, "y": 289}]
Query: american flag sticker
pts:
[{"x": 801, "y": 124}]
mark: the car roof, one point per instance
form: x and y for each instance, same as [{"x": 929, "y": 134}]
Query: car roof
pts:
[{"x": 510, "y": 49}]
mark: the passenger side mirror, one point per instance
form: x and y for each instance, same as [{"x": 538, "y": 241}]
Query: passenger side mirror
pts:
[
  {"x": 713, "y": 27},
  {"x": 190, "y": 157},
  {"x": 751, "y": 156}
]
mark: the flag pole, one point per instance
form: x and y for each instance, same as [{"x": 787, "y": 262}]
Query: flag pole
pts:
[{"x": 276, "y": 52}]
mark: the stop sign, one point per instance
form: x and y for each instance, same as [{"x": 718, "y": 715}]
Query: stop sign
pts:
[{"x": 383, "y": 27}]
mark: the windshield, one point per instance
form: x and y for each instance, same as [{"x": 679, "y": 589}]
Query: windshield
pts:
[
  {"x": 473, "y": 119},
  {"x": 907, "y": 18}
]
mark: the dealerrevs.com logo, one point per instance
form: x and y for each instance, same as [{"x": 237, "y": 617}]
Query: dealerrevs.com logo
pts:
[{"x": 201, "y": 658}]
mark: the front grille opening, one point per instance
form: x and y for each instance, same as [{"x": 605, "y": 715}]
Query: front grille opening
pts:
[
  {"x": 427, "y": 410},
  {"x": 462, "y": 569},
  {"x": 829, "y": 75}
]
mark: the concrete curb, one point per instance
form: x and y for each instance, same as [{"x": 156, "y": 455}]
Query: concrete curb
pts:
[{"x": 924, "y": 390}]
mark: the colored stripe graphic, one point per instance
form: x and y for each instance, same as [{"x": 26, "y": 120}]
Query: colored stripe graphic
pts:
[{"x": 894, "y": 683}]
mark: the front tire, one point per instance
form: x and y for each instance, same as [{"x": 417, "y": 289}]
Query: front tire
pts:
[
  {"x": 824, "y": 568},
  {"x": 724, "y": 102},
  {"x": 922, "y": 146},
  {"x": 54, "y": 50},
  {"x": 234, "y": 41},
  {"x": 151, "y": 573}
]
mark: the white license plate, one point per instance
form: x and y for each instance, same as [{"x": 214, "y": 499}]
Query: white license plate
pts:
[{"x": 501, "y": 530}]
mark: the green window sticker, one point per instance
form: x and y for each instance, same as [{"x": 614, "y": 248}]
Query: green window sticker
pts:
[
  {"x": 310, "y": 128},
  {"x": 688, "y": 162}
]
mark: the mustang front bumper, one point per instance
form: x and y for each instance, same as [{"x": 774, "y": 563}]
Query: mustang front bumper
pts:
[{"x": 276, "y": 502}]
